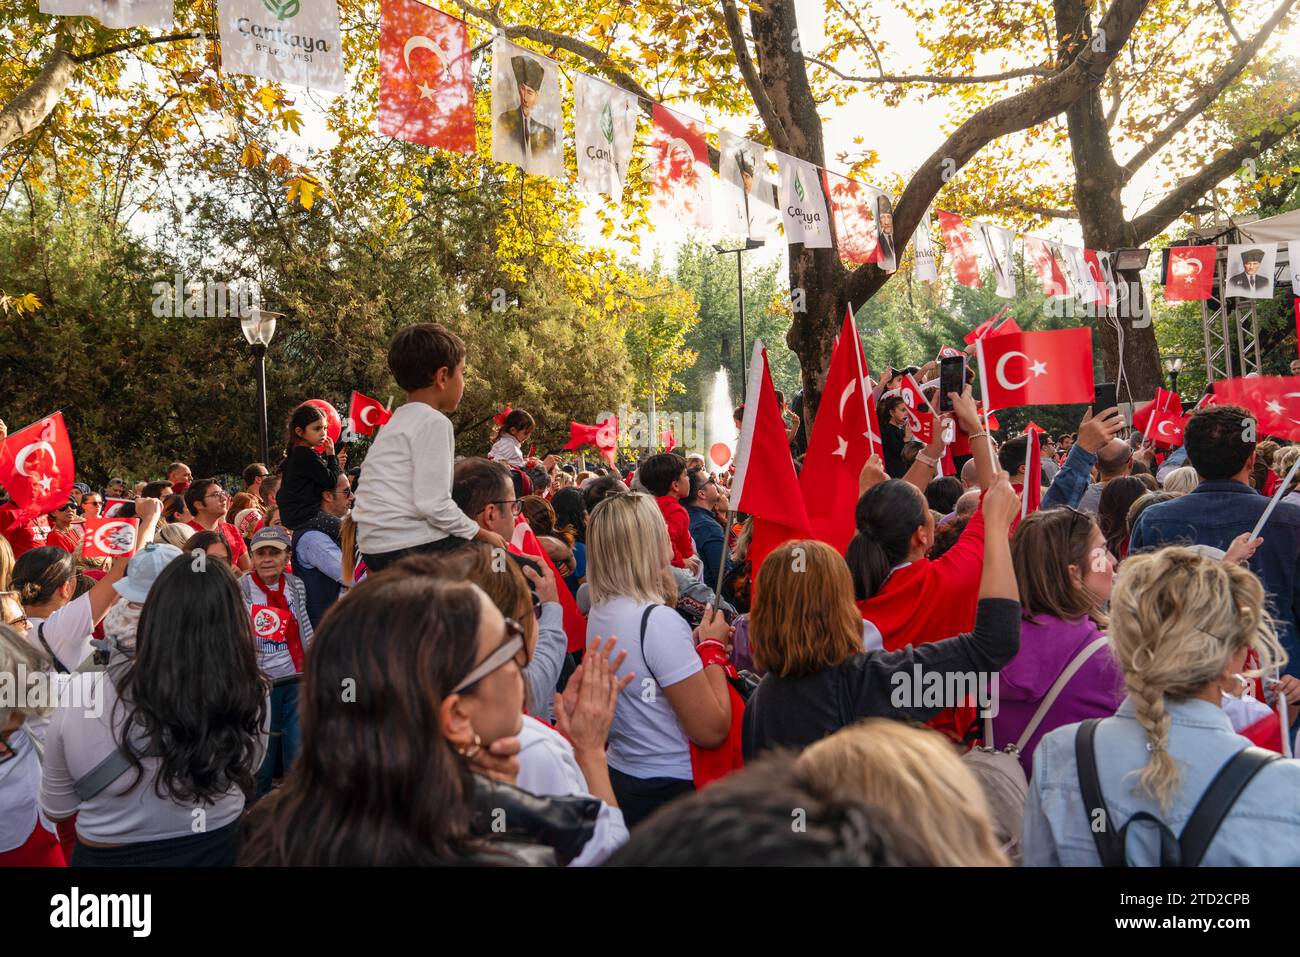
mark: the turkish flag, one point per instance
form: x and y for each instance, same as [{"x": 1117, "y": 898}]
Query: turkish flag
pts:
[
  {"x": 426, "y": 91},
  {"x": 947, "y": 352},
  {"x": 682, "y": 174},
  {"x": 524, "y": 542},
  {"x": 270, "y": 624},
  {"x": 765, "y": 485},
  {"x": 36, "y": 466},
  {"x": 1274, "y": 401},
  {"x": 668, "y": 440},
  {"x": 366, "y": 414},
  {"x": 1098, "y": 276},
  {"x": 991, "y": 327},
  {"x": 919, "y": 413},
  {"x": 1161, "y": 419},
  {"x": 840, "y": 444},
  {"x": 1037, "y": 368},
  {"x": 961, "y": 247},
  {"x": 110, "y": 537},
  {"x": 1190, "y": 277},
  {"x": 852, "y": 211},
  {"x": 604, "y": 437},
  {"x": 1048, "y": 268}
]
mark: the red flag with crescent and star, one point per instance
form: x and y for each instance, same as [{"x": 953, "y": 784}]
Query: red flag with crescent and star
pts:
[
  {"x": 110, "y": 537},
  {"x": 1161, "y": 420},
  {"x": 840, "y": 444},
  {"x": 1274, "y": 401},
  {"x": 366, "y": 414},
  {"x": 1037, "y": 368},
  {"x": 36, "y": 466},
  {"x": 603, "y": 436},
  {"x": 961, "y": 248},
  {"x": 426, "y": 90},
  {"x": 1190, "y": 277}
]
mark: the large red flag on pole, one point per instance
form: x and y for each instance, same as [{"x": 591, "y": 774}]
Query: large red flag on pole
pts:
[
  {"x": 36, "y": 466},
  {"x": 1273, "y": 400},
  {"x": 765, "y": 486},
  {"x": 840, "y": 445}
]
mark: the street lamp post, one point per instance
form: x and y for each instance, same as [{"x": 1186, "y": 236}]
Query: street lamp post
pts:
[
  {"x": 1173, "y": 365},
  {"x": 258, "y": 326},
  {"x": 740, "y": 293}
]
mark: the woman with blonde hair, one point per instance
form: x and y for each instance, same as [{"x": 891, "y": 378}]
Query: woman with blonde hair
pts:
[
  {"x": 1282, "y": 463},
  {"x": 676, "y": 699},
  {"x": 1182, "y": 480},
  {"x": 6, "y": 563},
  {"x": 915, "y": 774},
  {"x": 1182, "y": 626},
  {"x": 804, "y": 630}
]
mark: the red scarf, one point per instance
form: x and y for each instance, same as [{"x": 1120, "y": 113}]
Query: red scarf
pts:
[
  {"x": 277, "y": 598},
  {"x": 711, "y": 764}
]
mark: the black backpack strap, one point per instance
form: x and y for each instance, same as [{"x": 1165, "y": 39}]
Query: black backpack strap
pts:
[
  {"x": 59, "y": 666},
  {"x": 1223, "y": 792},
  {"x": 645, "y": 620},
  {"x": 1110, "y": 844}
]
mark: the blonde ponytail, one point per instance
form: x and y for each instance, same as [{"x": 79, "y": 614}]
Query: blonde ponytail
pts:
[{"x": 1176, "y": 620}]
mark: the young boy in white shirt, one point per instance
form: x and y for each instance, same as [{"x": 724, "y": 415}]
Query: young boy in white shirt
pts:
[{"x": 404, "y": 504}]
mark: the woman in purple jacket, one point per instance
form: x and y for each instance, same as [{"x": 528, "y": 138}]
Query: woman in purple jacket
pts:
[{"x": 1064, "y": 572}]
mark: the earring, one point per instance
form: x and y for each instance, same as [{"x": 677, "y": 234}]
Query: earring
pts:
[{"x": 473, "y": 749}]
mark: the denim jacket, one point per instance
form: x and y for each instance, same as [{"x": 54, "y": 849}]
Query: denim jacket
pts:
[
  {"x": 1072, "y": 480},
  {"x": 1214, "y": 513},
  {"x": 1262, "y": 829}
]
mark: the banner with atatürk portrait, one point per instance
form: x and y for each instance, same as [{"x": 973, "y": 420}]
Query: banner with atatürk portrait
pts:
[
  {"x": 746, "y": 202},
  {"x": 527, "y": 119}
]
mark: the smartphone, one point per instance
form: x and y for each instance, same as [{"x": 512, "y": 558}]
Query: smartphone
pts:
[
  {"x": 952, "y": 378},
  {"x": 1104, "y": 397}
]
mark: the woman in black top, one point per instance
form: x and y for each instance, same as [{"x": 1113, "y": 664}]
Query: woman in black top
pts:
[
  {"x": 805, "y": 630},
  {"x": 895, "y": 433}
]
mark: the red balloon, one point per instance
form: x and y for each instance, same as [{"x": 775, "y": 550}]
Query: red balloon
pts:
[
  {"x": 720, "y": 452},
  {"x": 333, "y": 424}
]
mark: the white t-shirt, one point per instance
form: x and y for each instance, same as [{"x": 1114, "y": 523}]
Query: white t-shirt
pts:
[
  {"x": 547, "y": 766},
  {"x": 404, "y": 498},
  {"x": 79, "y": 738},
  {"x": 646, "y": 740},
  {"x": 20, "y": 788},
  {"x": 507, "y": 449},
  {"x": 68, "y": 632}
]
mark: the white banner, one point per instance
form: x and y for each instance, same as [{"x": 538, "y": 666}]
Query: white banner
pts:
[
  {"x": 290, "y": 41},
  {"x": 1293, "y": 257},
  {"x": 803, "y": 204},
  {"x": 1080, "y": 274},
  {"x": 746, "y": 190},
  {"x": 605, "y": 125},
  {"x": 527, "y": 122},
  {"x": 115, "y": 14},
  {"x": 923, "y": 250},
  {"x": 995, "y": 244}
]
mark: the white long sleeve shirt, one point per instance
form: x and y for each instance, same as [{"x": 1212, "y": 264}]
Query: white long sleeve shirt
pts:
[{"x": 404, "y": 498}]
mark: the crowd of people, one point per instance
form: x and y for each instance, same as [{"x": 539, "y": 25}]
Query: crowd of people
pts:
[{"x": 507, "y": 660}]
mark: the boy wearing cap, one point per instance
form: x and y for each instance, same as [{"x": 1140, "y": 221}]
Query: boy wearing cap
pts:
[{"x": 277, "y": 602}]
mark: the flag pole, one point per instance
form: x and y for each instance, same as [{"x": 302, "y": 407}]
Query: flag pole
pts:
[
  {"x": 722, "y": 561},
  {"x": 1277, "y": 497},
  {"x": 862, "y": 380},
  {"x": 984, "y": 387},
  {"x": 1024, "y": 489}
]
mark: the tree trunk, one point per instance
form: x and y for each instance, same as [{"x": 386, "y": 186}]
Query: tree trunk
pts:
[
  {"x": 817, "y": 278},
  {"x": 28, "y": 109},
  {"x": 1098, "y": 185}
]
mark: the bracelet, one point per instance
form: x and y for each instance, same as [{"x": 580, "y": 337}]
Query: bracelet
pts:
[
  {"x": 976, "y": 435},
  {"x": 929, "y": 460}
]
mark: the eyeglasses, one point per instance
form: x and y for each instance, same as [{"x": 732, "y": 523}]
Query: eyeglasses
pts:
[
  {"x": 516, "y": 506},
  {"x": 21, "y": 622},
  {"x": 90, "y": 501},
  {"x": 1075, "y": 515},
  {"x": 512, "y": 648},
  {"x": 220, "y": 493}
]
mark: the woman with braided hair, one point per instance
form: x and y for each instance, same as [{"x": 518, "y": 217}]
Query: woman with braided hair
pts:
[{"x": 1181, "y": 626}]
